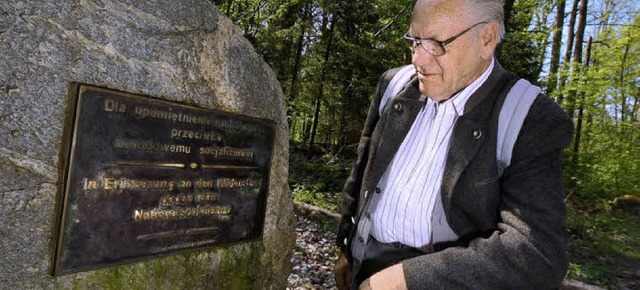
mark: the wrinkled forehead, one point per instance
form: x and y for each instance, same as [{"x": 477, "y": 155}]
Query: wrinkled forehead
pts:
[{"x": 436, "y": 15}]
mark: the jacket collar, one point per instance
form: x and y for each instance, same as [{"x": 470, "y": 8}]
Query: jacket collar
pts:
[{"x": 497, "y": 75}]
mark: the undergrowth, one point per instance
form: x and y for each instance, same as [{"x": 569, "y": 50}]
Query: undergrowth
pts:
[
  {"x": 604, "y": 244},
  {"x": 318, "y": 181}
]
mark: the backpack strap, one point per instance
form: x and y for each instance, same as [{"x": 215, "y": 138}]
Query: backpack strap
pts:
[
  {"x": 397, "y": 83},
  {"x": 512, "y": 114}
]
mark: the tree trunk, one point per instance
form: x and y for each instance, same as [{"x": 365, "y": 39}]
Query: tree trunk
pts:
[
  {"x": 576, "y": 143},
  {"x": 577, "y": 51},
  {"x": 293, "y": 129},
  {"x": 623, "y": 96},
  {"x": 636, "y": 114},
  {"x": 346, "y": 95},
  {"x": 577, "y": 55},
  {"x": 306, "y": 128},
  {"x": 323, "y": 75},
  {"x": 329, "y": 134},
  {"x": 555, "y": 48},
  {"x": 228, "y": 9},
  {"x": 508, "y": 7},
  {"x": 569, "y": 49},
  {"x": 293, "y": 91},
  {"x": 542, "y": 22},
  {"x": 314, "y": 126}
]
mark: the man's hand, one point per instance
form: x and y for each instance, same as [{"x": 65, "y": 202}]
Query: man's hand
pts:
[
  {"x": 342, "y": 272},
  {"x": 391, "y": 278}
]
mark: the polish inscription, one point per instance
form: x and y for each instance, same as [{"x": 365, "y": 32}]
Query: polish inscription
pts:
[{"x": 147, "y": 177}]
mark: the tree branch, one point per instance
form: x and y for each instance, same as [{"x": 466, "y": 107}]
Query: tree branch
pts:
[{"x": 392, "y": 20}]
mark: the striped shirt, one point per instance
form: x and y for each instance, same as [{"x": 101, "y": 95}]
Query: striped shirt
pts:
[{"x": 412, "y": 181}]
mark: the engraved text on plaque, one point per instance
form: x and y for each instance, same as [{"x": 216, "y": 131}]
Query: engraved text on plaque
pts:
[{"x": 146, "y": 177}]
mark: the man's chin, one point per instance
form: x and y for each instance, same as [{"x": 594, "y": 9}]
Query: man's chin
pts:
[
  {"x": 435, "y": 96},
  {"x": 427, "y": 90}
]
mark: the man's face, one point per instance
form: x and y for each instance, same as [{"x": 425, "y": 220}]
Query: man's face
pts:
[{"x": 442, "y": 76}]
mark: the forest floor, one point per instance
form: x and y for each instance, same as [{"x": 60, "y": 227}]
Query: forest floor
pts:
[
  {"x": 313, "y": 256},
  {"x": 604, "y": 248}
]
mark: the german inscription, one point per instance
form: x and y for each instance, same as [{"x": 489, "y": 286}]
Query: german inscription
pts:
[{"x": 146, "y": 177}]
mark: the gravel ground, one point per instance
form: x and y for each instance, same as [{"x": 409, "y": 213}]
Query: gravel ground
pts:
[{"x": 313, "y": 257}]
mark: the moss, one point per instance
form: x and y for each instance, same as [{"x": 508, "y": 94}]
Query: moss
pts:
[
  {"x": 188, "y": 271},
  {"x": 237, "y": 269}
]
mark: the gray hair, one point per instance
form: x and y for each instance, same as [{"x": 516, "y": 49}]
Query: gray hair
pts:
[{"x": 486, "y": 10}]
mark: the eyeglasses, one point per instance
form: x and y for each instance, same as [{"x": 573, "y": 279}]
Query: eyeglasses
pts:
[{"x": 432, "y": 46}]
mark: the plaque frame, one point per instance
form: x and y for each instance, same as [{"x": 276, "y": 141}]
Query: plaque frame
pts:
[{"x": 68, "y": 151}]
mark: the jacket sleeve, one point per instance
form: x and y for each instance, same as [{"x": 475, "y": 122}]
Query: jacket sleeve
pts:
[
  {"x": 528, "y": 248},
  {"x": 351, "y": 190}
]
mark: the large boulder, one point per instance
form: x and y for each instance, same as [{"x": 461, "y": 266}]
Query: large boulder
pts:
[{"x": 180, "y": 51}]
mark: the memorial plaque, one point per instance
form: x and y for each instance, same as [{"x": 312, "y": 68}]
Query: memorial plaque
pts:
[{"x": 146, "y": 177}]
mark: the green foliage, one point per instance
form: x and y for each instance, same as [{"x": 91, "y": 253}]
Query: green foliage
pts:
[
  {"x": 523, "y": 48},
  {"x": 319, "y": 181},
  {"x": 294, "y": 38},
  {"x": 310, "y": 195},
  {"x": 606, "y": 164},
  {"x": 186, "y": 271},
  {"x": 607, "y": 231},
  {"x": 592, "y": 273},
  {"x": 603, "y": 243},
  {"x": 237, "y": 268}
]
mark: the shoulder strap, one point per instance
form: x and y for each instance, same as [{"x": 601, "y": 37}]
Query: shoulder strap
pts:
[
  {"x": 397, "y": 83},
  {"x": 512, "y": 114}
]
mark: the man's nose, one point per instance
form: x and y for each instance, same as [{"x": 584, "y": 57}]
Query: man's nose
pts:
[{"x": 421, "y": 57}]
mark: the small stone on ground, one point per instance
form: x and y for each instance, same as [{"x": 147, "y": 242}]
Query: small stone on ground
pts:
[{"x": 313, "y": 257}]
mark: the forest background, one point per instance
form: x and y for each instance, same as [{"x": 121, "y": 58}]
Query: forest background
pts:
[{"x": 328, "y": 56}]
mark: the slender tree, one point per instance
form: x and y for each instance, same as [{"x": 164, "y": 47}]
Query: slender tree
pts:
[
  {"x": 568, "y": 50},
  {"x": 555, "y": 48},
  {"x": 297, "y": 65},
  {"x": 507, "y": 7},
  {"x": 542, "y": 30},
  {"x": 623, "y": 95},
  {"x": 581, "y": 102},
  {"x": 328, "y": 39},
  {"x": 577, "y": 56}
]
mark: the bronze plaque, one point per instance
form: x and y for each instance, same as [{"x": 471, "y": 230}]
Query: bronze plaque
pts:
[{"x": 146, "y": 178}]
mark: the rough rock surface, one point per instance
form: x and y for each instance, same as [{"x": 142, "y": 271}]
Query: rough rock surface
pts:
[{"x": 184, "y": 51}]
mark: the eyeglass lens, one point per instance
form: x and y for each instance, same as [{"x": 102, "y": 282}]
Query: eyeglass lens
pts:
[{"x": 432, "y": 47}]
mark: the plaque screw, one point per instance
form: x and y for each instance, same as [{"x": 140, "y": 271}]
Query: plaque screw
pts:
[
  {"x": 15, "y": 133},
  {"x": 194, "y": 165}
]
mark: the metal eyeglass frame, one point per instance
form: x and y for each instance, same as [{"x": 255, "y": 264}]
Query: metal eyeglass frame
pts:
[{"x": 437, "y": 47}]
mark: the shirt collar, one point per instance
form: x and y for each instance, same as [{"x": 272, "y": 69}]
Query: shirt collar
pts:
[{"x": 460, "y": 99}]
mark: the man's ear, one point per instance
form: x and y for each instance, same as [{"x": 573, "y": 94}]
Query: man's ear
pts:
[{"x": 489, "y": 39}]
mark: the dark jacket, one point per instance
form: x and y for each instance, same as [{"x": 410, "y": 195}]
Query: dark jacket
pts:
[{"x": 513, "y": 226}]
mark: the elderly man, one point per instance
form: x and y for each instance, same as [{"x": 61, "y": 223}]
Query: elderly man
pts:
[{"x": 427, "y": 205}]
